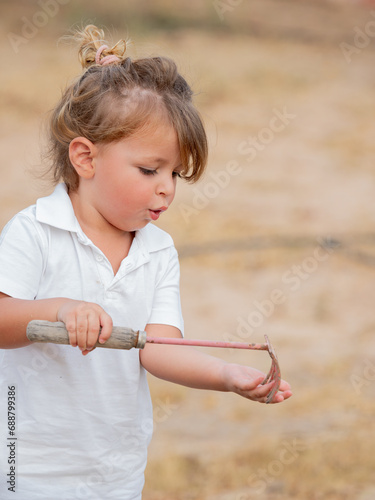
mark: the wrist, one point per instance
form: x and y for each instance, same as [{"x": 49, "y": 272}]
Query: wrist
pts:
[
  {"x": 225, "y": 376},
  {"x": 63, "y": 307}
]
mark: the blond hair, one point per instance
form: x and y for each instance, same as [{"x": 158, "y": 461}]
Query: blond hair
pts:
[{"x": 112, "y": 101}]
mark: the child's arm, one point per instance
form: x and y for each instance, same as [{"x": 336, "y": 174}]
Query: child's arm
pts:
[
  {"x": 82, "y": 320},
  {"x": 190, "y": 367}
]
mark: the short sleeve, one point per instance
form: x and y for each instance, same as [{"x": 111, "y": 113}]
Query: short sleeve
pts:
[
  {"x": 166, "y": 307},
  {"x": 21, "y": 258}
]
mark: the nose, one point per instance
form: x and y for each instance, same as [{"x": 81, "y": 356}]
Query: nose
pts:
[{"x": 166, "y": 185}]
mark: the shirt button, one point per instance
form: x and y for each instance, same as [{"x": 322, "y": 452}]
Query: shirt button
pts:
[{"x": 99, "y": 258}]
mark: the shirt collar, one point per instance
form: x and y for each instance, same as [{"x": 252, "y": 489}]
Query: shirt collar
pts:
[{"x": 56, "y": 210}]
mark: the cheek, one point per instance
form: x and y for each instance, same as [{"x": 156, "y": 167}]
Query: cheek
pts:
[{"x": 132, "y": 194}]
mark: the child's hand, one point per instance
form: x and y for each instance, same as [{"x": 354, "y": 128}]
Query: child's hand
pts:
[
  {"x": 246, "y": 382},
  {"x": 83, "y": 321}
]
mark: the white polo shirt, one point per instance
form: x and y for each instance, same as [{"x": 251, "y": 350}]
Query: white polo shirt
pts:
[{"x": 83, "y": 423}]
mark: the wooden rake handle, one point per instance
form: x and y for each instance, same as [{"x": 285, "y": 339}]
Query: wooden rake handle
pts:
[{"x": 56, "y": 333}]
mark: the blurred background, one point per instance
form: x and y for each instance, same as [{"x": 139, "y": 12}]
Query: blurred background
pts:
[{"x": 278, "y": 237}]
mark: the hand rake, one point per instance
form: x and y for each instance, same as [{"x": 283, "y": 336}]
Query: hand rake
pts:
[{"x": 126, "y": 338}]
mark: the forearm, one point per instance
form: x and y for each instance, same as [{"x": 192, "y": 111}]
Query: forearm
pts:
[
  {"x": 15, "y": 314},
  {"x": 184, "y": 365}
]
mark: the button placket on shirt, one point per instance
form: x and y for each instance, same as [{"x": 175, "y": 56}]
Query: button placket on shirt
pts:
[
  {"x": 111, "y": 290},
  {"x": 105, "y": 272},
  {"x": 103, "y": 269}
]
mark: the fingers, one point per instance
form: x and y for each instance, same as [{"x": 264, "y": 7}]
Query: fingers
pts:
[
  {"x": 84, "y": 321},
  {"x": 88, "y": 327},
  {"x": 261, "y": 392},
  {"x": 248, "y": 382},
  {"x": 284, "y": 386},
  {"x": 254, "y": 389},
  {"x": 106, "y": 325},
  {"x": 279, "y": 397},
  {"x": 254, "y": 385},
  {"x": 283, "y": 393},
  {"x": 83, "y": 328}
]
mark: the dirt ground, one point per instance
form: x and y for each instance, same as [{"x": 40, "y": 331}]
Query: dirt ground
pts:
[{"x": 277, "y": 239}]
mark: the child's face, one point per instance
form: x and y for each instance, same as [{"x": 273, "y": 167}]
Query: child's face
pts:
[{"x": 135, "y": 179}]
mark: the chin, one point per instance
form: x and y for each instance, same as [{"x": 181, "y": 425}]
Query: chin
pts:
[{"x": 141, "y": 225}]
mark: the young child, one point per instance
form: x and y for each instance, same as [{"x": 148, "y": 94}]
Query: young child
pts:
[{"x": 87, "y": 255}]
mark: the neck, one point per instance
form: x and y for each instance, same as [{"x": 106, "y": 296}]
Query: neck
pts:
[{"x": 113, "y": 242}]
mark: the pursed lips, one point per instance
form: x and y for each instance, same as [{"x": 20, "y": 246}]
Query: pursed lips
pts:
[{"x": 155, "y": 214}]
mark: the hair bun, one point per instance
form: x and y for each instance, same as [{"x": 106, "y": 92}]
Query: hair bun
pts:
[{"x": 92, "y": 40}]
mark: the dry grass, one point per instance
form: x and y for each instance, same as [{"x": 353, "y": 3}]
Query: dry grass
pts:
[{"x": 314, "y": 179}]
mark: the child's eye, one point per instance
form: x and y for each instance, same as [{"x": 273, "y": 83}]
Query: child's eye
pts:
[
  {"x": 147, "y": 171},
  {"x": 177, "y": 174}
]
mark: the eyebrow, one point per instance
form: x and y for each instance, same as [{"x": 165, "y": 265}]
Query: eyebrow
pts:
[{"x": 156, "y": 159}]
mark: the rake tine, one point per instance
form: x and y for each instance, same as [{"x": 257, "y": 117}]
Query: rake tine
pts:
[{"x": 274, "y": 374}]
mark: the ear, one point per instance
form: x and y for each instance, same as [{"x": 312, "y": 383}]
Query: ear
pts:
[{"x": 81, "y": 154}]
